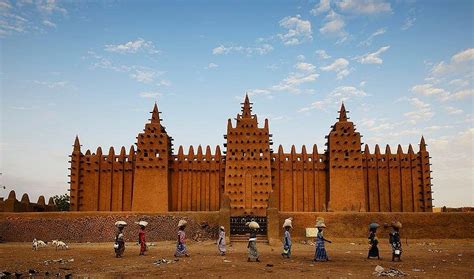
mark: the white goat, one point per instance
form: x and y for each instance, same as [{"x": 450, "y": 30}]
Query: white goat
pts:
[
  {"x": 59, "y": 244},
  {"x": 38, "y": 244}
]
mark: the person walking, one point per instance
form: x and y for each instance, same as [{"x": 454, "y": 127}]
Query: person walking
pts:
[
  {"x": 181, "y": 248},
  {"x": 141, "y": 237},
  {"x": 287, "y": 238},
  {"x": 320, "y": 254},
  {"x": 119, "y": 245},
  {"x": 221, "y": 241},
  {"x": 373, "y": 241},
  {"x": 252, "y": 244},
  {"x": 395, "y": 241}
]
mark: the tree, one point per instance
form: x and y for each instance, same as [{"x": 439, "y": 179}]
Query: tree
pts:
[{"x": 62, "y": 202}]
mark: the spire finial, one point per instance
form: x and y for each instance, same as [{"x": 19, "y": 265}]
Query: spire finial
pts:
[
  {"x": 77, "y": 144},
  {"x": 246, "y": 109},
  {"x": 155, "y": 114},
  {"x": 422, "y": 144},
  {"x": 342, "y": 113}
]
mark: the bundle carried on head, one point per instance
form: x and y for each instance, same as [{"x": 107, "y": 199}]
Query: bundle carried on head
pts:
[
  {"x": 287, "y": 223},
  {"x": 253, "y": 225},
  {"x": 320, "y": 222},
  {"x": 373, "y": 225},
  {"x": 142, "y": 223},
  {"x": 120, "y": 224},
  {"x": 397, "y": 224},
  {"x": 222, "y": 228},
  {"x": 182, "y": 223}
]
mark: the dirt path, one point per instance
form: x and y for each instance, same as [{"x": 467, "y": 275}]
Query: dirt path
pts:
[{"x": 421, "y": 259}]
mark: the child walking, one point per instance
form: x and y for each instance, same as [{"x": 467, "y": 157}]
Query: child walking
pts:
[
  {"x": 287, "y": 238},
  {"x": 181, "y": 248},
  {"x": 221, "y": 241}
]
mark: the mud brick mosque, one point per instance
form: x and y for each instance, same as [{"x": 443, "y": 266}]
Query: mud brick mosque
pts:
[{"x": 249, "y": 174}]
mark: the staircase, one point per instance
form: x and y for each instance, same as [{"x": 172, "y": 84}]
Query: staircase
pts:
[{"x": 245, "y": 238}]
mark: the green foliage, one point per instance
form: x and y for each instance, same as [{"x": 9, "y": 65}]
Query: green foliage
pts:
[{"x": 62, "y": 202}]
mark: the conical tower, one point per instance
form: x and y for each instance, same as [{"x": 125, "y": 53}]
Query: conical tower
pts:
[
  {"x": 346, "y": 179},
  {"x": 152, "y": 179},
  {"x": 248, "y": 171}
]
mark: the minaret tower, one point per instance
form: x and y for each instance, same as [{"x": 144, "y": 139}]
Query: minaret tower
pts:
[
  {"x": 152, "y": 179},
  {"x": 346, "y": 179},
  {"x": 248, "y": 171}
]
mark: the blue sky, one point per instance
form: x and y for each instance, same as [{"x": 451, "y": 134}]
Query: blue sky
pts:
[{"x": 95, "y": 68}]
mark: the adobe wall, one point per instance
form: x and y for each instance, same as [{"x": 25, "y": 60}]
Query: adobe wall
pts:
[
  {"x": 99, "y": 226},
  {"x": 196, "y": 180},
  {"x": 300, "y": 180},
  {"x": 355, "y": 225}
]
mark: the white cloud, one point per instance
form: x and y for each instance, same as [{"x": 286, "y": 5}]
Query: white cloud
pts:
[
  {"x": 322, "y": 54},
  {"x": 28, "y": 16},
  {"x": 339, "y": 66},
  {"x": 422, "y": 111},
  {"x": 459, "y": 82},
  {"x": 306, "y": 73},
  {"x": 409, "y": 22},
  {"x": 364, "y": 6},
  {"x": 368, "y": 41},
  {"x": 452, "y": 162},
  {"x": 150, "y": 94},
  {"x": 463, "y": 56},
  {"x": 322, "y": 7},
  {"x": 461, "y": 94},
  {"x": 458, "y": 63},
  {"x": 334, "y": 25},
  {"x": 338, "y": 95},
  {"x": 52, "y": 84},
  {"x": 372, "y": 58},
  {"x": 138, "y": 73},
  {"x": 299, "y": 31},
  {"x": 429, "y": 90},
  {"x": 133, "y": 47},
  {"x": 144, "y": 75},
  {"x": 49, "y": 23},
  {"x": 300, "y": 57},
  {"x": 212, "y": 66},
  {"x": 260, "y": 49},
  {"x": 453, "y": 110},
  {"x": 306, "y": 67},
  {"x": 50, "y": 7}
]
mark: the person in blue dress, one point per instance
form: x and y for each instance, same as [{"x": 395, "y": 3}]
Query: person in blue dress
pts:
[
  {"x": 320, "y": 255},
  {"x": 287, "y": 238}
]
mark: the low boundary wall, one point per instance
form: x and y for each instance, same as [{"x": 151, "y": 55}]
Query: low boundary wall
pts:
[
  {"x": 99, "y": 226},
  {"x": 355, "y": 225}
]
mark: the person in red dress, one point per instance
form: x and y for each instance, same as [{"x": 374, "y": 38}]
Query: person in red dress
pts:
[{"x": 141, "y": 237}]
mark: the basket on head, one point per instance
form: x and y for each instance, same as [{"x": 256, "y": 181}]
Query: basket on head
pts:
[
  {"x": 397, "y": 224},
  {"x": 182, "y": 223},
  {"x": 373, "y": 225},
  {"x": 222, "y": 228},
  {"x": 142, "y": 223},
  {"x": 287, "y": 223},
  {"x": 320, "y": 222},
  {"x": 120, "y": 224},
  {"x": 253, "y": 225}
]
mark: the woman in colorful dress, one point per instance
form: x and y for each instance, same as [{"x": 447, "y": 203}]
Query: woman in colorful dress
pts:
[
  {"x": 141, "y": 237},
  {"x": 252, "y": 245},
  {"x": 395, "y": 241},
  {"x": 119, "y": 245},
  {"x": 181, "y": 244},
  {"x": 287, "y": 238},
  {"x": 320, "y": 255},
  {"x": 373, "y": 241},
  {"x": 221, "y": 241}
]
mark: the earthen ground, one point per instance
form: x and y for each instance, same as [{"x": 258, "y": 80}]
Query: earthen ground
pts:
[{"x": 422, "y": 258}]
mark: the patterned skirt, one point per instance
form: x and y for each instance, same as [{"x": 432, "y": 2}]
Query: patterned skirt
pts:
[
  {"x": 181, "y": 250},
  {"x": 252, "y": 247},
  {"x": 320, "y": 255}
]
